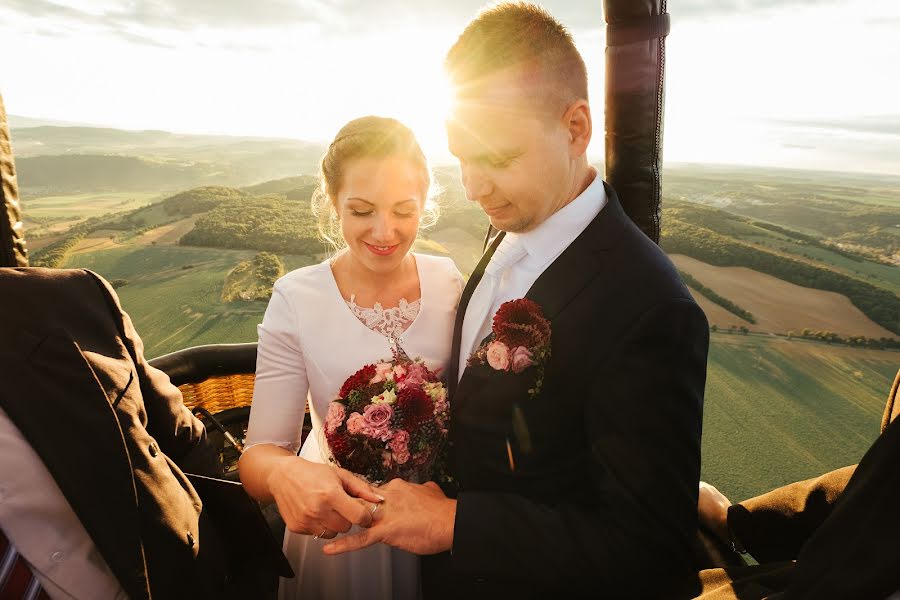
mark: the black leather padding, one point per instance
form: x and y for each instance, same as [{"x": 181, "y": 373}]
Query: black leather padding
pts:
[
  {"x": 12, "y": 232},
  {"x": 194, "y": 365},
  {"x": 635, "y": 92},
  {"x": 642, "y": 30}
]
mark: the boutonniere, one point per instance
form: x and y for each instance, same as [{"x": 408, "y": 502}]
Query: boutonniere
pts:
[{"x": 519, "y": 340}]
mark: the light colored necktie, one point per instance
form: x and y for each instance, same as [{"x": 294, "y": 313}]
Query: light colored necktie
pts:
[{"x": 478, "y": 322}]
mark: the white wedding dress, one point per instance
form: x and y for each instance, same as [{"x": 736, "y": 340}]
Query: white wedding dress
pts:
[{"x": 311, "y": 339}]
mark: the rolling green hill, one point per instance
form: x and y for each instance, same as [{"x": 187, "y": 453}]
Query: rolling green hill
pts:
[
  {"x": 69, "y": 159},
  {"x": 90, "y": 172},
  {"x": 859, "y": 211},
  {"x": 174, "y": 294},
  {"x": 282, "y": 186},
  {"x": 200, "y": 200},
  {"x": 271, "y": 223}
]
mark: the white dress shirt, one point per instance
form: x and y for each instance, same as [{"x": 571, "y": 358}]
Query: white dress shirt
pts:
[
  {"x": 40, "y": 523},
  {"x": 542, "y": 246}
]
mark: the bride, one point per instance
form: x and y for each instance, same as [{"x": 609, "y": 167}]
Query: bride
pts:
[{"x": 322, "y": 324}]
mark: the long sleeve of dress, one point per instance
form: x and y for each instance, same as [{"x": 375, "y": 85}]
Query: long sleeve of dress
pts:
[{"x": 281, "y": 387}]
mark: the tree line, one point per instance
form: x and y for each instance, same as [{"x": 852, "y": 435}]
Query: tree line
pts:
[
  {"x": 861, "y": 341},
  {"x": 682, "y": 237},
  {"x": 725, "y": 303}
]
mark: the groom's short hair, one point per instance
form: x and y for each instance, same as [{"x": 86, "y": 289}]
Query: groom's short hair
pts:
[{"x": 523, "y": 39}]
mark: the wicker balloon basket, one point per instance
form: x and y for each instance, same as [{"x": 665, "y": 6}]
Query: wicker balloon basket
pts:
[{"x": 216, "y": 383}]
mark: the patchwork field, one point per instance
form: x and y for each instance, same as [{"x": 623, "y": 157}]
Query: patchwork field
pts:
[
  {"x": 101, "y": 239},
  {"x": 716, "y": 315},
  {"x": 882, "y": 275},
  {"x": 780, "y": 306},
  {"x": 779, "y": 410},
  {"x": 167, "y": 234},
  {"x": 57, "y": 213}
]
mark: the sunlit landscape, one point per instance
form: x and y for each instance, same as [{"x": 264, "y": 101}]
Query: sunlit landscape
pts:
[{"x": 182, "y": 171}]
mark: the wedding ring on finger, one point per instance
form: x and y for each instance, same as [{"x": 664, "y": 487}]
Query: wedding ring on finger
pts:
[
  {"x": 321, "y": 535},
  {"x": 374, "y": 508}
]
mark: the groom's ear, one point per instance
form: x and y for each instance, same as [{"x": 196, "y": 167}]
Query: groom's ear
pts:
[{"x": 577, "y": 121}]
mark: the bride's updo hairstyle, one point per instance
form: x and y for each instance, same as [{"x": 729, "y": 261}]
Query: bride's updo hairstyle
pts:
[{"x": 366, "y": 137}]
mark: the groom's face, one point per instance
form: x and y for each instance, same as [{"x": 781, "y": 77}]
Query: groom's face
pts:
[{"x": 514, "y": 158}]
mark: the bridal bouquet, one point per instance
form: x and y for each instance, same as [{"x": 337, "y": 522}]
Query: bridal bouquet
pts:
[{"x": 389, "y": 420}]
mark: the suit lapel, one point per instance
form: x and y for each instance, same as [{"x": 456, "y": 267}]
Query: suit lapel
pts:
[
  {"x": 581, "y": 261},
  {"x": 477, "y": 274},
  {"x": 572, "y": 270},
  {"x": 52, "y": 395}
]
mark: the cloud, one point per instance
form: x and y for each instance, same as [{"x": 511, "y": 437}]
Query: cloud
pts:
[
  {"x": 180, "y": 14},
  {"x": 136, "y": 20},
  {"x": 351, "y": 15},
  {"x": 42, "y": 9},
  {"x": 717, "y": 8},
  {"x": 873, "y": 124},
  {"x": 158, "y": 23},
  {"x": 883, "y": 22}
]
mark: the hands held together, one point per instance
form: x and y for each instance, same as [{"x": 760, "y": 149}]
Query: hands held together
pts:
[
  {"x": 412, "y": 517},
  {"x": 323, "y": 500}
]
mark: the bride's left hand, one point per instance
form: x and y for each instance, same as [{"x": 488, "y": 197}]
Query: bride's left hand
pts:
[{"x": 412, "y": 517}]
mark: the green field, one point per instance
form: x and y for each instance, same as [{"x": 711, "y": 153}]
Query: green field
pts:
[
  {"x": 173, "y": 293},
  {"x": 778, "y": 410},
  {"x": 77, "y": 207}
]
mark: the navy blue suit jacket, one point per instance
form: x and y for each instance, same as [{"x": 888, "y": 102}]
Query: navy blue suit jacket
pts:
[{"x": 578, "y": 490}]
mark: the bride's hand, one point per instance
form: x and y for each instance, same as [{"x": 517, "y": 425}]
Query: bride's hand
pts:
[{"x": 321, "y": 500}]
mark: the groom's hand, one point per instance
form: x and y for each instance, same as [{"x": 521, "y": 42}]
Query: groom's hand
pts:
[{"x": 412, "y": 517}]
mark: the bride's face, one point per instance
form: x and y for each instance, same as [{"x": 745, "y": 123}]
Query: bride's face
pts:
[{"x": 379, "y": 204}]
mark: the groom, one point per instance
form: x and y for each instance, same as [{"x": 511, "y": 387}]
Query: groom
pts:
[{"x": 582, "y": 484}]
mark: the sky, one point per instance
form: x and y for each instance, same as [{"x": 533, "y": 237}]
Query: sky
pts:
[{"x": 785, "y": 83}]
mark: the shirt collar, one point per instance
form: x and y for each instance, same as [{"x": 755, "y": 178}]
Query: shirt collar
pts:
[{"x": 547, "y": 241}]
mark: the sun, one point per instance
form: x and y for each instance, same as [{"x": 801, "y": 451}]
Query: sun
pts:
[
  {"x": 427, "y": 113},
  {"x": 395, "y": 74}
]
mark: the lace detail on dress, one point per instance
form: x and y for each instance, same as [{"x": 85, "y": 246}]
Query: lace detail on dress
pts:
[{"x": 389, "y": 322}]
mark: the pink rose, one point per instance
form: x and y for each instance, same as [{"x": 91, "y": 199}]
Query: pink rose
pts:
[
  {"x": 383, "y": 371},
  {"x": 378, "y": 415},
  {"x": 498, "y": 355},
  {"x": 399, "y": 372},
  {"x": 521, "y": 359},
  {"x": 377, "y": 421},
  {"x": 400, "y": 446},
  {"x": 355, "y": 424},
  {"x": 416, "y": 373},
  {"x": 402, "y": 457},
  {"x": 335, "y": 416}
]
